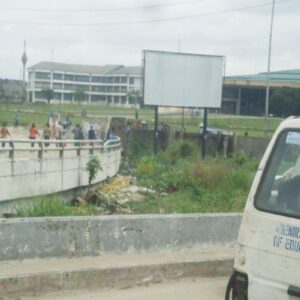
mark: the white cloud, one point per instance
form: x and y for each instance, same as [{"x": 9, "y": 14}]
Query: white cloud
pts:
[{"x": 241, "y": 36}]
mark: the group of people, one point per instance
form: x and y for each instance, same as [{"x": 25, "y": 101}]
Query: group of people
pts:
[
  {"x": 57, "y": 133},
  {"x": 4, "y": 132}
]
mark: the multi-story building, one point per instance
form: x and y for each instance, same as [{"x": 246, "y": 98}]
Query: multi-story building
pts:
[
  {"x": 91, "y": 84},
  {"x": 246, "y": 94}
]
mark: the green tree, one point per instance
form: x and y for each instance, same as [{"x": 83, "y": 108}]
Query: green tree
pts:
[
  {"x": 134, "y": 97},
  {"x": 1, "y": 90},
  {"x": 22, "y": 94},
  {"x": 48, "y": 94},
  {"x": 80, "y": 95},
  {"x": 285, "y": 102}
]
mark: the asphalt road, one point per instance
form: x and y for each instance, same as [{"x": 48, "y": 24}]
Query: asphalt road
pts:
[{"x": 187, "y": 289}]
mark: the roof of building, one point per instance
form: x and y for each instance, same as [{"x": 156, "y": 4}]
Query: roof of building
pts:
[
  {"x": 285, "y": 76},
  {"x": 86, "y": 69},
  {"x": 135, "y": 70}
]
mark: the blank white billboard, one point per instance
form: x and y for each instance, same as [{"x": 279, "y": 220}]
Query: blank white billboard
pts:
[{"x": 182, "y": 80}]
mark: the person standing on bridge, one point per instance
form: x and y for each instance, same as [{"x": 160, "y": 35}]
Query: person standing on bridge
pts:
[
  {"x": 91, "y": 134},
  {"x": 17, "y": 122},
  {"x": 33, "y": 133},
  {"x": 4, "y": 133},
  {"x": 47, "y": 134}
]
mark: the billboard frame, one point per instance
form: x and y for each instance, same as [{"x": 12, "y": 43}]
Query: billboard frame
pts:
[
  {"x": 155, "y": 144},
  {"x": 180, "y": 53}
]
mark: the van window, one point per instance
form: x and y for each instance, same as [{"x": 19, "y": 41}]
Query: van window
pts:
[{"x": 279, "y": 189}]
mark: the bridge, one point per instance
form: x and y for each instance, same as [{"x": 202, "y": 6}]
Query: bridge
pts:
[{"x": 37, "y": 167}]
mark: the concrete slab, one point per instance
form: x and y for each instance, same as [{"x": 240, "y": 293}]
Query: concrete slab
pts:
[
  {"x": 191, "y": 289},
  {"x": 34, "y": 277}
]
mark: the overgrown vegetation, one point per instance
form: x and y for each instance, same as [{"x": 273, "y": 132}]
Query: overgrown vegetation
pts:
[
  {"x": 176, "y": 181},
  {"x": 184, "y": 183}
]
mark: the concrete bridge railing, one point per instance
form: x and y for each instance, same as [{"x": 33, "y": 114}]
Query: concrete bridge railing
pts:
[
  {"x": 56, "y": 237},
  {"x": 38, "y": 167}
]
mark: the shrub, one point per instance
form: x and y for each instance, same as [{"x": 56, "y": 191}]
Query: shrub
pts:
[
  {"x": 180, "y": 150},
  {"x": 93, "y": 166}
]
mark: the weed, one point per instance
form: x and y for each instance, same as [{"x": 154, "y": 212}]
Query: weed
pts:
[
  {"x": 93, "y": 166},
  {"x": 53, "y": 206}
]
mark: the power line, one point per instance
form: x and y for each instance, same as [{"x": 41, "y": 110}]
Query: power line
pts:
[
  {"x": 89, "y": 10},
  {"x": 144, "y": 21}
]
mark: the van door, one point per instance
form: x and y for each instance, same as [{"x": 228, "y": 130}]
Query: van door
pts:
[{"x": 269, "y": 238}]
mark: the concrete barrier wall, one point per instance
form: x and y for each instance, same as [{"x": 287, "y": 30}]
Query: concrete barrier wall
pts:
[
  {"x": 53, "y": 170},
  {"x": 92, "y": 236},
  {"x": 251, "y": 146}
]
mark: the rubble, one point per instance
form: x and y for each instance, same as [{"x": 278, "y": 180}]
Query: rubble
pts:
[{"x": 112, "y": 196}]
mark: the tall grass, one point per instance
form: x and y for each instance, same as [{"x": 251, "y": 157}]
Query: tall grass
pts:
[
  {"x": 53, "y": 206},
  {"x": 189, "y": 184}
]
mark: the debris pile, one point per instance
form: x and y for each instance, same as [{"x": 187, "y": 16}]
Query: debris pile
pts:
[{"x": 112, "y": 197}]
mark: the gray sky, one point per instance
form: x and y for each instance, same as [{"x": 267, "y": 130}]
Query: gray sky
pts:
[{"x": 241, "y": 36}]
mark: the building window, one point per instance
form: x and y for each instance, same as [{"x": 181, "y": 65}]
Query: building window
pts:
[
  {"x": 67, "y": 96},
  {"x": 123, "y": 89},
  {"x": 110, "y": 79},
  {"x": 57, "y": 86},
  {"x": 97, "y": 79},
  {"x": 57, "y": 96},
  {"x": 131, "y": 80},
  {"x": 123, "y": 99},
  {"x": 39, "y": 95},
  {"x": 117, "y": 79},
  {"x": 230, "y": 92},
  {"x": 82, "y": 78},
  {"x": 69, "y": 87},
  {"x": 42, "y": 75},
  {"x": 98, "y": 88},
  {"x": 42, "y": 85},
  {"x": 80, "y": 87},
  {"x": 116, "y": 89},
  {"x": 69, "y": 77},
  {"x": 124, "y": 79},
  {"x": 95, "y": 98},
  {"x": 58, "y": 76}
]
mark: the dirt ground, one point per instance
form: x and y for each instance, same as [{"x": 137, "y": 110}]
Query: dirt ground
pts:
[{"x": 189, "y": 289}]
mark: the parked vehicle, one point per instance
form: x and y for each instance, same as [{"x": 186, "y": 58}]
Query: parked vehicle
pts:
[
  {"x": 267, "y": 261},
  {"x": 214, "y": 131}
]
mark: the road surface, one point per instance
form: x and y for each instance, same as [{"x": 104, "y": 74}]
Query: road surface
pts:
[{"x": 186, "y": 289}]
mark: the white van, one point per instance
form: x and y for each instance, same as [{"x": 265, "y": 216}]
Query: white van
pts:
[{"x": 267, "y": 262}]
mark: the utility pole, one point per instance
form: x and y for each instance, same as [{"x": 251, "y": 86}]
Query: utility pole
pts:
[
  {"x": 24, "y": 61},
  {"x": 268, "y": 76}
]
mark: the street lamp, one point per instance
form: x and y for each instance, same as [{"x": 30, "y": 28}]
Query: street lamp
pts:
[{"x": 268, "y": 74}]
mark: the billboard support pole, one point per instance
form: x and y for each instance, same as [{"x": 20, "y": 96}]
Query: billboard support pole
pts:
[
  {"x": 204, "y": 133},
  {"x": 182, "y": 122},
  {"x": 155, "y": 129}
]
